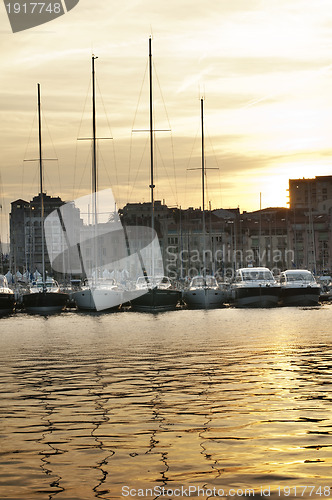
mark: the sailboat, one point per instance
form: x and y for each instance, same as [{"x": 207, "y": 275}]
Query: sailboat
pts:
[
  {"x": 99, "y": 293},
  {"x": 44, "y": 296},
  {"x": 203, "y": 291},
  {"x": 161, "y": 294}
]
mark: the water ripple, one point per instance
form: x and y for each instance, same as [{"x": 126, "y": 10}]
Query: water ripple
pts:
[{"x": 226, "y": 398}]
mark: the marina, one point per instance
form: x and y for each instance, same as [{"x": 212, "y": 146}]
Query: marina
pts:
[
  {"x": 166, "y": 285},
  {"x": 253, "y": 288}
]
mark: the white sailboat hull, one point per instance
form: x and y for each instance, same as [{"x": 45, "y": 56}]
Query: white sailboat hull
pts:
[
  {"x": 204, "y": 298},
  {"x": 98, "y": 299}
]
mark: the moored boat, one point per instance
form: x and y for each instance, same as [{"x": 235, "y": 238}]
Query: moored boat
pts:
[
  {"x": 204, "y": 292},
  {"x": 325, "y": 288},
  {"x": 97, "y": 294},
  {"x": 161, "y": 294},
  {"x": 299, "y": 288},
  {"x": 44, "y": 297},
  {"x": 7, "y": 297},
  {"x": 104, "y": 295},
  {"x": 255, "y": 287}
]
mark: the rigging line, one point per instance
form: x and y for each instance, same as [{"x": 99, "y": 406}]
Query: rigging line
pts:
[
  {"x": 220, "y": 187},
  {"x": 190, "y": 159},
  {"x": 192, "y": 148},
  {"x": 111, "y": 136},
  {"x": 87, "y": 161},
  {"x": 115, "y": 163},
  {"x": 215, "y": 157},
  {"x": 33, "y": 182},
  {"x": 54, "y": 150},
  {"x": 22, "y": 183},
  {"x": 133, "y": 125},
  {"x": 75, "y": 194},
  {"x": 208, "y": 198},
  {"x": 167, "y": 174},
  {"x": 169, "y": 125},
  {"x": 174, "y": 171},
  {"x": 185, "y": 188},
  {"x": 47, "y": 180},
  {"x": 140, "y": 165},
  {"x": 101, "y": 161},
  {"x": 129, "y": 164},
  {"x": 33, "y": 125},
  {"x": 211, "y": 147}
]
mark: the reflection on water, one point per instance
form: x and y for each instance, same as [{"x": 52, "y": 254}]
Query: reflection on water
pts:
[{"x": 213, "y": 399}]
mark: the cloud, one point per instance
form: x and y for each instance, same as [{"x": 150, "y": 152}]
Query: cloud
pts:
[{"x": 264, "y": 68}]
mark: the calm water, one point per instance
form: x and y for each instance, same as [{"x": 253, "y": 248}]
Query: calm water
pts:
[{"x": 226, "y": 399}]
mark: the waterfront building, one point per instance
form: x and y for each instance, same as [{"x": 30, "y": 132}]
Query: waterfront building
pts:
[
  {"x": 313, "y": 194},
  {"x": 276, "y": 237},
  {"x": 17, "y": 222},
  {"x": 25, "y": 233}
]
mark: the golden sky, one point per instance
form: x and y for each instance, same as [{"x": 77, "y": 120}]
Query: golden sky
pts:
[{"x": 264, "y": 68}]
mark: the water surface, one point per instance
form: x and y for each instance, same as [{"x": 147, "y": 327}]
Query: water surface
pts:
[{"x": 227, "y": 399}]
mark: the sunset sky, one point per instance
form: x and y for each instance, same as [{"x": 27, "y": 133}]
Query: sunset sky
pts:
[{"x": 264, "y": 68}]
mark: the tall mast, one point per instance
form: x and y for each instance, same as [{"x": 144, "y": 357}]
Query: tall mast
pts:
[
  {"x": 152, "y": 186},
  {"x": 94, "y": 141},
  {"x": 203, "y": 183},
  {"x": 260, "y": 228},
  {"x": 94, "y": 164},
  {"x": 41, "y": 184}
]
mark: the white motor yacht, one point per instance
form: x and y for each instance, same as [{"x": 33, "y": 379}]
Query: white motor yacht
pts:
[
  {"x": 299, "y": 288},
  {"x": 255, "y": 287},
  {"x": 7, "y": 297},
  {"x": 204, "y": 292}
]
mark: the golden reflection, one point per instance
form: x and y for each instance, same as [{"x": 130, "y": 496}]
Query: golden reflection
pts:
[{"x": 206, "y": 402}]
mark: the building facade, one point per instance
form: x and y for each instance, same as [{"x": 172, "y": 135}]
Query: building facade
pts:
[
  {"x": 25, "y": 233},
  {"x": 313, "y": 194},
  {"x": 278, "y": 238}
]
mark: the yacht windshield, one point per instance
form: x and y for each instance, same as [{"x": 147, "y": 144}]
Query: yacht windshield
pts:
[
  {"x": 200, "y": 281},
  {"x": 257, "y": 276},
  {"x": 153, "y": 281},
  {"x": 300, "y": 277}
]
